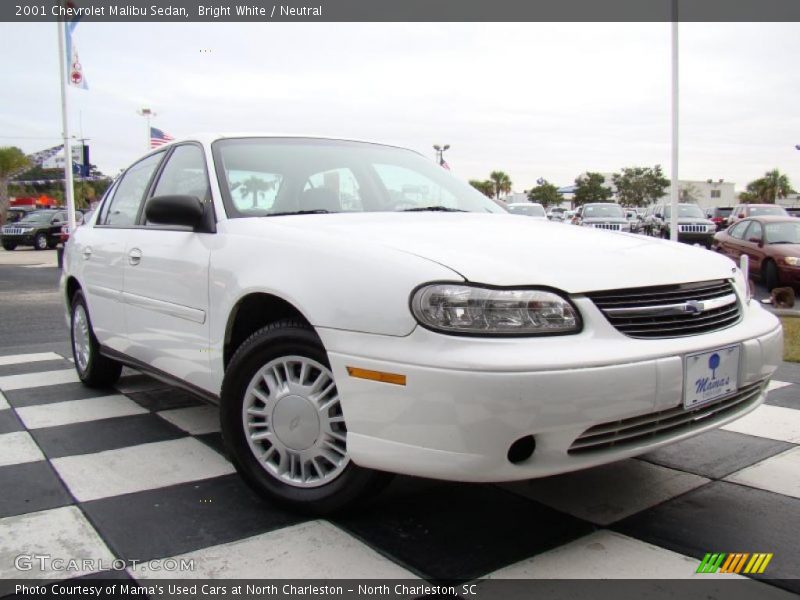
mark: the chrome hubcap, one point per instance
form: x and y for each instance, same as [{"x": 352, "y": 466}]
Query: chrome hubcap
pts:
[
  {"x": 41, "y": 242},
  {"x": 80, "y": 338},
  {"x": 294, "y": 423}
]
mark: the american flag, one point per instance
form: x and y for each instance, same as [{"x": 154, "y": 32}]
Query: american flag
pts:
[{"x": 159, "y": 138}]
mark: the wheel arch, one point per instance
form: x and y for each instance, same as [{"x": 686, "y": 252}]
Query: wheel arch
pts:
[
  {"x": 252, "y": 312},
  {"x": 72, "y": 285}
]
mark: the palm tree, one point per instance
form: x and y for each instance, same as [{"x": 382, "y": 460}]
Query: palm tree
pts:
[
  {"x": 255, "y": 186},
  {"x": 502, "y": 183},
  {"x": 485, "y": 187},
  {"x": 12, "y": 162},
  {"x": 774, "y": 185}
]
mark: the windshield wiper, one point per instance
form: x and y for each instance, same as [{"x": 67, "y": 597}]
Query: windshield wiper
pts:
[
  {"x": 316, "y": 211},
  {"x": 433, "y": 209}
]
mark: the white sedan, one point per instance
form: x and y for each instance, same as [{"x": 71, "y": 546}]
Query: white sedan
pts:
[{"x": 356, "y": 310}]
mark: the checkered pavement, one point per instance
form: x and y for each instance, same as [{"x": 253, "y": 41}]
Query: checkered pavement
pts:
[{"x": 138, "y": 472}]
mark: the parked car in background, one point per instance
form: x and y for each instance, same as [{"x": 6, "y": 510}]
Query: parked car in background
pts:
[
  {"x": 693, "y": 226},
  {"x": 634, "y": 220},
  {"x": 528, "y": 209},
  {"x": 793, "y": 211},
  {"x": 15, "y": 213},
  {"x": 720, "y": 215},
  {"x": 370, "y": 313},
  {"x": 743, "y": 211},
  {"x": 556, "y": 213},
  {"x": 79, "y": 220},
  {"x": 772, "y": 245},
  {"x": 602, "y": 215},
  {"x": 40, "y": 229}
]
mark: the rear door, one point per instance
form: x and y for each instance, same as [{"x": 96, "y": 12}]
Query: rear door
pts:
[
  {"x": 166, "y": 278},
  {"x": 100, "y": 250},
  {"x": 752, "y": 245}
]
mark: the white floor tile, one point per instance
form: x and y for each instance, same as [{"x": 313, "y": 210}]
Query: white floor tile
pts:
[
  {"x": 780, "y": 474},
  {"x": 776, "y": 385},
  {"x": 774, "y": 422},
  {"x": 78, "y": 411},
  {"x": 137, "y": 468},
  {"x": 17, "y": 359},
  {"x": 17, "y": 448},
  {"x": 32, "y": 380},
  {"x": 3, "y": 401},
  {"x": 195, "y": 419},
  {"x": 611, "y": 492},
  {"x": 604, "y": 555},
  {"x": 59, "y": 533},
  {"x": 315, "y": 549}
]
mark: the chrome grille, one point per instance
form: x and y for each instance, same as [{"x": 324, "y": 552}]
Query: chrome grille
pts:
[
  {"x": 693, "y": 228},
  {"x": 670, "y": 310},
  {"x": 662, "y": 425},
  {"x": 609, "y": 226},
  {"x": 12, "y": 231}
]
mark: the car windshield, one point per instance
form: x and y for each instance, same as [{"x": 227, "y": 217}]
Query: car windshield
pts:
[
  {"x": 782, "y": 233},
  {"x": 37, "y": 217},
  {"x": 760, "y": 211},
  {"x": 723, "y": 212},
  {"x": 531, "y": 210},
  {"x": 272, "y": 176},
  {"x": 689, "y": 211},
  {"x": 603, "y": 210}
]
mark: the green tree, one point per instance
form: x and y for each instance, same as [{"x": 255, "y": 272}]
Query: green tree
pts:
[
  {"x": 12, "y": 162},
  {"x": 485, "y": 187},
  {"x": 545, "y": 194},
  {"x": 639, "y": 186},
  {"x": 774, "y": 185},
  {"x": 688, "y": 193},
  {"x": 255, "y": 187},
  {"x": 590, "y": 188},
  {"x": 502, "y": 183}
]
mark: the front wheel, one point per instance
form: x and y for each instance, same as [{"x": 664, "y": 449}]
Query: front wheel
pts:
[
  {"x": 9, "y": 246},
  {"x": 771, "y": 278},
  {"x": 283, "y": 424},
  {"x": 94, "y": 369}
]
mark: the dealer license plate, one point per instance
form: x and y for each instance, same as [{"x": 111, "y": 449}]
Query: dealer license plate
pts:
[{"x": 710, "y": 375}]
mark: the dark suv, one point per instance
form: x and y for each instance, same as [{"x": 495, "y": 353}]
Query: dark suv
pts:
[
  {"x": 693, "y": 226},
  {"x": 40, "y": 229}
]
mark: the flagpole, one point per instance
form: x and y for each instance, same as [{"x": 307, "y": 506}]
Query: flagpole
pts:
[
  {"x": 68, "y": 183},
  {"x": 673, "y": 221}
]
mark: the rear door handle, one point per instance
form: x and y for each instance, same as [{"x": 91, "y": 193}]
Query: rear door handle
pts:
[{"x": 134, "y": 256}]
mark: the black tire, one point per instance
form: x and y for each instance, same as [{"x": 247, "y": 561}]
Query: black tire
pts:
[
  {"x": 771, "y": 278},
  {"x": 9, "y": 246},
  {"x": 40, "y": 241},
  {"x": 99, "y": 371},
  {"x": 288, "y": 337},
  {"x": 664, "y": 234}
]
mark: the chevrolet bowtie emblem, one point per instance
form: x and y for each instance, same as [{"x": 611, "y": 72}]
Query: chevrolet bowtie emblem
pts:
[{"x": 694, "y": 307}]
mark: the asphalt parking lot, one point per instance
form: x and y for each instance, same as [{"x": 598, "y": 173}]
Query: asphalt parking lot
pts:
[{"x": 138, "y": 473}]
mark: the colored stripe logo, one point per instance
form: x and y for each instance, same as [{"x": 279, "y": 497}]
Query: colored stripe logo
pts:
[{"x": 735, "y": 562}]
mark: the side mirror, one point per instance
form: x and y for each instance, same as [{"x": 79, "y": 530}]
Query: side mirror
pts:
[
  {"x": 741, "y": 215},
  {"x": 659, "y": 216},
  {"x": 175, "y": 210}
]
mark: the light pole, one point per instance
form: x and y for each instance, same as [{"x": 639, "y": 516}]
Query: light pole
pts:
[
  {"x": 148, "y": 114},
  {"x": 440, "y": 153}
]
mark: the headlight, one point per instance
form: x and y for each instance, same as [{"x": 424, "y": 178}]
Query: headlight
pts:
[
  {"x": 793, "y": 261},
  {"x": 454, "y": 308}
]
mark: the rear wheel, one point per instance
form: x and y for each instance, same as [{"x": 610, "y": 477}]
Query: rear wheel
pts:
[
  {"x": 771, "y": 279},
  {"x": 283, "y": 423},
  {"x": 94, "y": 369},
  {"x": 40, "y": 241}
]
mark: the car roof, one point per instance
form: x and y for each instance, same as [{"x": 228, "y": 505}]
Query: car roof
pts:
[
  {"x": 524, "y": 204},
  {"x": 772, "y": 218}
]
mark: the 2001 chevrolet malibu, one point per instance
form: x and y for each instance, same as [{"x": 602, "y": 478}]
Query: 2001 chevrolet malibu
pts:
[{"x": 355, "y": 310}]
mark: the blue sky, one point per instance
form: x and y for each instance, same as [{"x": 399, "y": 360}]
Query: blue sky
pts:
[{"x": 534, "y": 99}]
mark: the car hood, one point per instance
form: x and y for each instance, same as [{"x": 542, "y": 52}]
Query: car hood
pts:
[
  {"x": 604, "y": 220},
  {"x": 505, "y": 250}
]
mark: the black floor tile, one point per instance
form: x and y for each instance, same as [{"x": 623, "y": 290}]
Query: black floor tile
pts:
[
  {"x": 716, "y": 454},
  {"x": 9, "y": 421},
  {"x": 165, "y": 399},
  {"x": 54, "y": 393},
  {"x": 788, "y": 397},
  {"x": 725, "y": 517},
  {"x": 38, "y": 366},
  {"x": 448, "y": 531},
  {"x": 178, "y": 519},
  {"x": 30, "y": 487},
  {"x": 214, "y": 440},
  {"x": 105, "y": 434}
]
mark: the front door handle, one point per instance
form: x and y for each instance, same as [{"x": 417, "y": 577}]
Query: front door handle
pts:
[
  {"x": 134, "y": 256},
  {"x": 87, "y": 253}
]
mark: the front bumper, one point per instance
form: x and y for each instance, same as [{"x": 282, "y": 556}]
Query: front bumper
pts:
[
  {"x": 20, "y": 240},
  {"x": 466, "y": 400},
  {"x": 789, "y": 275}
]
